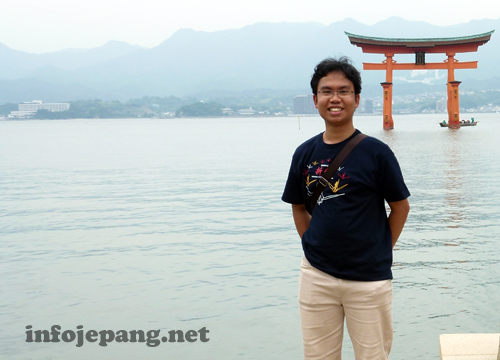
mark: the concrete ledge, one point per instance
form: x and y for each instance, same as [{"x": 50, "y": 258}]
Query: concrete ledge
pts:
[{"x": 469, "y": 346}]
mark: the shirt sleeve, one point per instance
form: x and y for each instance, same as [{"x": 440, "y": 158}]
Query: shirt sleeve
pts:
[
  {"x": 393, "y": 184},
  {"x": 293, "y": 192}
]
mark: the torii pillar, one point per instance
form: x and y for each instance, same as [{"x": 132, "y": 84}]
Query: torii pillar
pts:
[
  {"x": 453, "y": 94},
  {"x": 387, "y": 109},
  {"x": 387, "y": 85},
  {"x": 450, "y": 46}
]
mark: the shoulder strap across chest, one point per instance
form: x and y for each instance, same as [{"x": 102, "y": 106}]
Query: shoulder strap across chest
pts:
[{"x": 334, "y": 165}]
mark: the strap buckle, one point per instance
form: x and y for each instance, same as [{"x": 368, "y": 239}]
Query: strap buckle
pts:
[{"x": 323, "y": 181}]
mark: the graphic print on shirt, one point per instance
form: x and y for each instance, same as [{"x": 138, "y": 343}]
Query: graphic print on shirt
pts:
[{"x": 314, "y": 171}]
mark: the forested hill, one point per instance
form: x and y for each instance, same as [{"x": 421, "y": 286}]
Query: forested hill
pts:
[{"x": 263, "y": 56}]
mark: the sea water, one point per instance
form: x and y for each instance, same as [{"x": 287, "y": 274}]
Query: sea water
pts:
[{"x": 177, "y": 224}]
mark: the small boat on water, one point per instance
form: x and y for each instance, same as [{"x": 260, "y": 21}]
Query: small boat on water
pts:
[{"x": 470, "y": 122}]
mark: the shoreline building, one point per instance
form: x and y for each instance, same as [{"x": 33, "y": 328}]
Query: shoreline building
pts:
[
  {"x": 304, "y": 104},
  {"x": 27, "y": 110},
  {"x": 246, "y": 112},
  {"x": 366, "y": 106}
]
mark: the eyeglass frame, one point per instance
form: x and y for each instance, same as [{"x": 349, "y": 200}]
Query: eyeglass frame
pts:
[{"x": 340, "y": 93}]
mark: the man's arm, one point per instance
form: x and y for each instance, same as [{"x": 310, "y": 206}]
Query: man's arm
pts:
[
  {"x": 397, "y": 218},
  {"x": 301, "y": 218}
]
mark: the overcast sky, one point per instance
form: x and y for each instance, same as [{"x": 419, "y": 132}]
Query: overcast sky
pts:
[{"x": 40, "y": 26}]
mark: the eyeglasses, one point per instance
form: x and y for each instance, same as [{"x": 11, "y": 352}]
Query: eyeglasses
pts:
[{"x": 330, "y": 93}]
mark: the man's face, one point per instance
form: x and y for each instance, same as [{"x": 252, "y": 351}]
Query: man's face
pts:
[{"x": 336, "y": 110}]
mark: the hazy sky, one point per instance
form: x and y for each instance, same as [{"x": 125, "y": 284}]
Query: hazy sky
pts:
[{"x": 49, "y": 25}]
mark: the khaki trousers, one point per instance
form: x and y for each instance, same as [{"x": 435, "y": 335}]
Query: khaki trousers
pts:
[{"x": 324, "y": 302}]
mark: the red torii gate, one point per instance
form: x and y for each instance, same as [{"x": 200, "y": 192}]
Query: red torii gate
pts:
[{"x": 449, "y": 46}]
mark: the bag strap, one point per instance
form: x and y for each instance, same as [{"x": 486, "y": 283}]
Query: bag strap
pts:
[{"x": 334, "y": 165}]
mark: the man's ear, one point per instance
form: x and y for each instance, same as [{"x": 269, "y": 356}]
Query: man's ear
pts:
[{"x": 315, "y": 99}]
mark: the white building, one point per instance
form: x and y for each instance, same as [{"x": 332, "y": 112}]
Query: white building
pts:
[
  {"x": 248, "y": 111},
  {"x": 21, "y": 114},
  {"x": 28, "y": 109},
  {"x": 36, "y": 105}
]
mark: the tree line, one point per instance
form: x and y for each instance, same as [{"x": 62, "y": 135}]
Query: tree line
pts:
[{"x": 168, "y": 106}]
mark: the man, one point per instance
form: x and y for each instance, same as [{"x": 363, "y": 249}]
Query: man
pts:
[{"x": 348, "y": 240}]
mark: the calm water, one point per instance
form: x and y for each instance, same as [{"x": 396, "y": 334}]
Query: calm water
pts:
[{"x": 177, "y": 225}]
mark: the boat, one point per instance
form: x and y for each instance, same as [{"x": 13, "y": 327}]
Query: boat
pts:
[{"x": 470, "y": 122}]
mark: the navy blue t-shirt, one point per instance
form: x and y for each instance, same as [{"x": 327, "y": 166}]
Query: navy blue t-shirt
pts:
[{"x": 349, "y": 235}]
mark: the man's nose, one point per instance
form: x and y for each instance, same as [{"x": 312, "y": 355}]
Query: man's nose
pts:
[{"x": 335, "y": 96}]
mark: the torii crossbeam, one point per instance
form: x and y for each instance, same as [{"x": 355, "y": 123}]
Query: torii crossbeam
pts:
[{"x": 449, "y": 46}]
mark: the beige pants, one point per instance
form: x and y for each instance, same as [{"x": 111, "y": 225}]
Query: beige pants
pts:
[{"x": 325, "y": 301}]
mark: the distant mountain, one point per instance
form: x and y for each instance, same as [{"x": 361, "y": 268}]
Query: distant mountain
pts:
[
  {"x": 272, "y": 56},
  {"x": 16, "y": 64}
]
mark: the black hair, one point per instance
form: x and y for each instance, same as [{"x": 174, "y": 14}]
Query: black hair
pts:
[{"x": 343, "y": 65}]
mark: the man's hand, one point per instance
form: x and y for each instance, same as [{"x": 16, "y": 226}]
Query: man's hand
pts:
[{"x": 301, "y": 218}]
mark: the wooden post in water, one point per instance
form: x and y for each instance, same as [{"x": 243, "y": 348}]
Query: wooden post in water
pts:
[
  {"x": 453, "y": 94},
  {"x": 454, "y": 112},
  {"x": 387, "y": 110}
]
